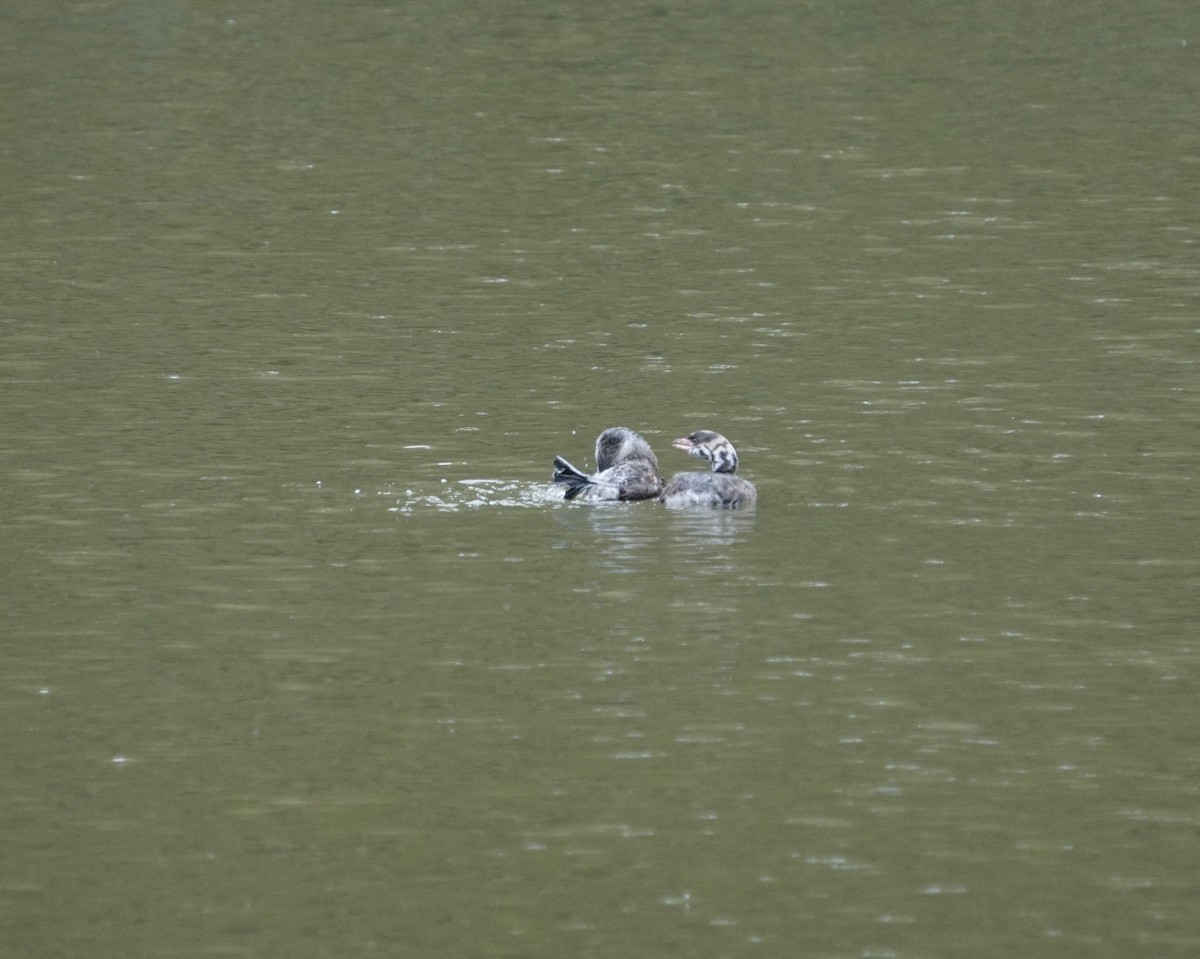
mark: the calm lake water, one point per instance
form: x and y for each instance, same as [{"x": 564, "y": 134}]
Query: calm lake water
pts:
[{"x": 302, "y": 654}]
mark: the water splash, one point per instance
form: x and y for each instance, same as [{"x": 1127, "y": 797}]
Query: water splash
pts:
[{"x": 474, "y": 494}]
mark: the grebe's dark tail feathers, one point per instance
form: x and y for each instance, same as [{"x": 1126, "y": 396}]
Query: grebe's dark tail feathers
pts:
[{"x": 574, "y": 479}]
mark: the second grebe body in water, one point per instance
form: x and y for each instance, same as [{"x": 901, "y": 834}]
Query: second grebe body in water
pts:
[{"x": 717, "y": 488}]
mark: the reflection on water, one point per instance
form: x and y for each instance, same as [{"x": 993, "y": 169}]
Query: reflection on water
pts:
[
  {"x": 706, "y": 528},
  {"x": 625, "y": 527},
  {"x": 630, "y": 537}
]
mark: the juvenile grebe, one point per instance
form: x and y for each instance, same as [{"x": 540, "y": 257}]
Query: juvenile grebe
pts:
[
  {"x": 718, "y": 488},
  {"x": 626, "y": 469}
]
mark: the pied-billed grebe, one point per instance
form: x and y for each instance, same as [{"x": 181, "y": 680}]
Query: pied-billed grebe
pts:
[
  {"x": 718, "y": 488},
  {"x": 626, "y": 468}
]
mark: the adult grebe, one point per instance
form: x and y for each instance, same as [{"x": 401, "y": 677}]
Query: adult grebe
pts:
[
  {"x": 718, "y": 488},
  {"x": 626, "y": 469}
]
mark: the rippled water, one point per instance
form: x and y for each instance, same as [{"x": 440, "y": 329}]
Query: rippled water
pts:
[{"x": 304, "y": 654}]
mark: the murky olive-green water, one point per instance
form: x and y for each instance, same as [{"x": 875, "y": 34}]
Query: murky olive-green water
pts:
[{"x": 303, "y": 657}]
